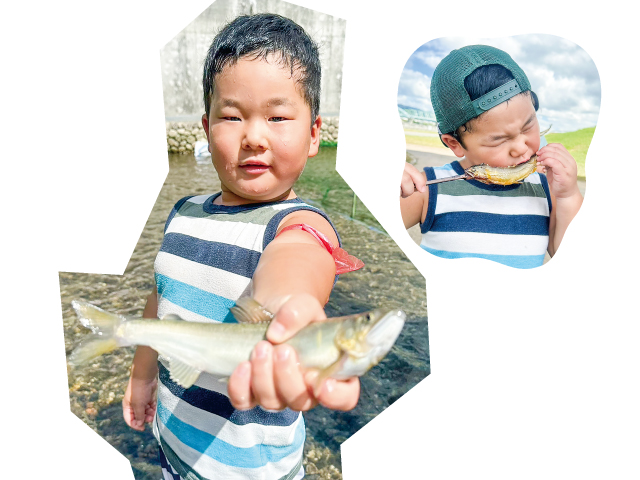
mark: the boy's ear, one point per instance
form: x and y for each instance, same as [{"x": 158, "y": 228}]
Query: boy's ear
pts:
[
  {"x": 455, "y": 146},
  {"x": 205, "y": 125},
  {"x": 315, "y": 137}
]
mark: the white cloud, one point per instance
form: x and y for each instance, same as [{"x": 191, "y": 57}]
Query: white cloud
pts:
[
  {"x": 429, "y": 58},
  {"x": 413, "y": 90}
]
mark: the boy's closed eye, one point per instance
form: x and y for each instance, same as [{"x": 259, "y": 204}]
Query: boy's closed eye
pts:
[{"x": 497, "y": 140}]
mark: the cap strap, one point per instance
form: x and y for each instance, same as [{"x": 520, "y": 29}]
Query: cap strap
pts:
[{"x": 496, "y": 96}]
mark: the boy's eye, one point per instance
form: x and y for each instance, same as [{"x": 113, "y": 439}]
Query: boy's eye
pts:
[
  {"x": 231, "y": 119},
  {"x": 277, "y": 119}
]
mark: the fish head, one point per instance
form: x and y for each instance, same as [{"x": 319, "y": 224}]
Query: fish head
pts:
[
  {"x": 478, "y": 172},
  {"x": 476, "y": 169},
  {"x": 367, "y": 339}
]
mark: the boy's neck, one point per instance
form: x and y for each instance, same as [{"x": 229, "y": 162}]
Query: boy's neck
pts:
[{"x": 230, "y": 199}]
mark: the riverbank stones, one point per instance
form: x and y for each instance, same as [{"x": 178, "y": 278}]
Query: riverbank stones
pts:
[{"x": 182, "y": 136}]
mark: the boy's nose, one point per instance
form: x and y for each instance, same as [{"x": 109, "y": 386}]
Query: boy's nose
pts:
[
  {"x": 519, "y": 148},
  {"x": 255, "y": 137}
]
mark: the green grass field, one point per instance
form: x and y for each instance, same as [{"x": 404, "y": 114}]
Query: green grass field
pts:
[
  {"x": 577, "y": 143},
  {"x": 429, "y": 141}
]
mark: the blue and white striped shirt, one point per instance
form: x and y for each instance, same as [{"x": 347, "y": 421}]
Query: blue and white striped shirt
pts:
[
  {"x": 506, "y": 224},
  {"x": 206, "y": 262}
]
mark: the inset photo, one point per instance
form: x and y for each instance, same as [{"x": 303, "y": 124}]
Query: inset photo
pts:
[{"x": 497, "y": 134}]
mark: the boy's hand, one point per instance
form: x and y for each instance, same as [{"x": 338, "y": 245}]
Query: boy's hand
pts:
[
  {"x": 562, "y": 175},
  {"x": 273, "y": 378},
  {"x": 412, "y": 180},
  {"x": 561, "y": 170},
  {"x": 139, "y": 402}
]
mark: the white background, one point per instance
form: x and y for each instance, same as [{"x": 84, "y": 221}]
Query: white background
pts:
[{"x": 535, "y": 373}]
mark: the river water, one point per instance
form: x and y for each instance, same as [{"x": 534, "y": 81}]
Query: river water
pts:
[{"x": 387, "y": 280}]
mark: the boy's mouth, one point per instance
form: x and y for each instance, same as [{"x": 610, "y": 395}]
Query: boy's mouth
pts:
[{"x": 254, "y": 167}]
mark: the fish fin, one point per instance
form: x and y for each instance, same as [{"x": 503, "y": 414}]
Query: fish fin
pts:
[
  {"x": 91, "y": 348},
  {"x": 96, "y": 319},
  {"x": 247, "y": 310},
  {"x": 328, "y": 372},
  {"x": 103, "y": 339},
  {"x": 183, "y": 374}
]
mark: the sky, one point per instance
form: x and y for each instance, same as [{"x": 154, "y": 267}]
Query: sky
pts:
[{"x": 562, "y": 74}]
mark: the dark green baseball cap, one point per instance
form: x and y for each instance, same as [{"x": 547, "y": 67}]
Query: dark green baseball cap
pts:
[{"x": 451, "y": 102}]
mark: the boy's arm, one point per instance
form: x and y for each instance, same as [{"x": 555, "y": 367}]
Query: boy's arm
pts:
[
  {"x": 566, "y": 199},
  {"x": 139, "y": 402},
  {"x": 294, "y": 279},
  {"x": 414, "y": 195}
]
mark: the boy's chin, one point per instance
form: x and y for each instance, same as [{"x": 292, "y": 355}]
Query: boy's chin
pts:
[{"x": 246, "y": 196}]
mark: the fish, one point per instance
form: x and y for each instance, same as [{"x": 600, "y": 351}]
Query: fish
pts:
[
  {"x": 502, "y": 175},
  {"x": 339, "y": 347}
]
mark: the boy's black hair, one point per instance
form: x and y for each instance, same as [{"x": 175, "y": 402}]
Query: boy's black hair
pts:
[
  {"x": 261, "y": 35},
  {"x": 483, "y": 80}
]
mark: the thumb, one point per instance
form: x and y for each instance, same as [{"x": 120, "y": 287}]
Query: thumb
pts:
[{"x": 295, "y": 314}]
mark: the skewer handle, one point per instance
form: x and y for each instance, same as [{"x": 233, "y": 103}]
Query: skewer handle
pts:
[{"x": 448, "y": 179}]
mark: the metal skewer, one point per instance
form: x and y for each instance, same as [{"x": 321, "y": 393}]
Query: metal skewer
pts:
[{"x": 449, "y": 179}]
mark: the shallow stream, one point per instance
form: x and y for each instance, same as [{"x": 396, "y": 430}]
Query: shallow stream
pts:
[{"x": 388, "y": 279}]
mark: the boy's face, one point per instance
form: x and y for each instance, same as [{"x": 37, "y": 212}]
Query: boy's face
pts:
[
  {"x": 259, "y": 130},
  {"x": 506, "y": 135}
]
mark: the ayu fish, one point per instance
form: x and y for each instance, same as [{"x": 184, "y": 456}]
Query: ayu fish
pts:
[
  {"x": 340, "y": 347},
  {"x": 502, "y": 175},
  {"x": 494, "y": 175}
]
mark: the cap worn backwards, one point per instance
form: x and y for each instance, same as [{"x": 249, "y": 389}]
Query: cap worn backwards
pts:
[{"x": 451, "y": 102}]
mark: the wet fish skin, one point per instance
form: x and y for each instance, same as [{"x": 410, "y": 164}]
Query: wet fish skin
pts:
[{"x": 340, "y": 347}]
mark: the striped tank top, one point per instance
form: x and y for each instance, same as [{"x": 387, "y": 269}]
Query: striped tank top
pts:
[
  {"x": 207, "y": 259},
  {"x": 506, "y": 224}
]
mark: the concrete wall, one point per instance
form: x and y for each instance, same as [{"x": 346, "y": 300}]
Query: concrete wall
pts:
[{"x": 183, "y": 57}]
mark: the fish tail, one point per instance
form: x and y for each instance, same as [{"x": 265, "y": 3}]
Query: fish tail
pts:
[
  {"x": 104, "y": 338},
  {"x": 91, "y": 348}
]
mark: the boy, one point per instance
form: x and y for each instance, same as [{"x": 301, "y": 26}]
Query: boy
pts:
[
  {"x": 261, "y": 91},
  {"x": 486, "y": 113}
]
